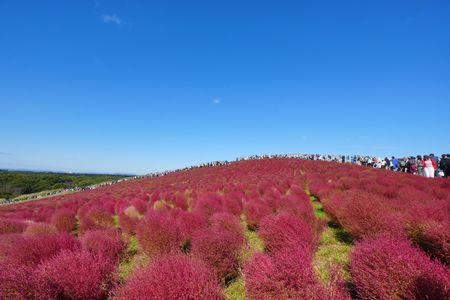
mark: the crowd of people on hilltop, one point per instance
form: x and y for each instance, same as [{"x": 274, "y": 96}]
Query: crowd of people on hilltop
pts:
[{"x": 427, "y": 165}]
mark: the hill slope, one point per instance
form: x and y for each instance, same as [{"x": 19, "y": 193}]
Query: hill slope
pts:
[{"x": 256, "y": 229}]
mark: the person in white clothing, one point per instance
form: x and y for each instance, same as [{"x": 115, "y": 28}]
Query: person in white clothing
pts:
[{"x": 429, "y": 167}]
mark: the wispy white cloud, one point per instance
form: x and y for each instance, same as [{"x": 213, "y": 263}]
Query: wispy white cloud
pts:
[
  {"x": 112, "y": 19},
  {"x": 216, "y": 100}
]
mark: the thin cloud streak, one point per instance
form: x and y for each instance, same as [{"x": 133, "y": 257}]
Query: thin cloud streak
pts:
[{"x": 112, "y": 19}]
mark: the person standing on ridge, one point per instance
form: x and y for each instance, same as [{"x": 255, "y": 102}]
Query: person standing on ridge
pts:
[
  {"x": 394, "y": 164},
  {"x": 444, "y": 165},
  {"x": 387, "y": 163},
  {"x": 429, "y": 167},
  {"x": 412, "y": 165},
  {"x": 419, "y": 165},
  {"x": 436, "y": 162}
]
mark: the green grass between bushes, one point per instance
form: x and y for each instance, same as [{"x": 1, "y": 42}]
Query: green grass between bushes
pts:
[
  {"x": 116, "y": 221},
  {"x": 235, "y": 290},
  {"x": 331, "y": 252},
  {"x": 131, "y": 259},
  {"x": 333, "y": 248}
]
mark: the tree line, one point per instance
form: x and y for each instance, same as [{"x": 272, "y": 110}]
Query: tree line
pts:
[{"x": 16, "y": 183}]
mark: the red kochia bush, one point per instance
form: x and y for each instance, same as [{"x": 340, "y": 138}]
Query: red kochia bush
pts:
[
  {"x": 30, "y": 251},
  {"x": 286, "y": 230},
  {"x": 129, "y": 218},
  {"x": 16, "y": 282},
  {"x": 259, "y": 280},
  {"x": 127, "y": 223},
  {"x": 75, "y": 275},
  {"x": 158, "y": 233},
  {"x": 226, "y": 221},
  {"x": 388, "y": 268},
  {"x": 233, "y": 202},
  {"x": 64, "y": 220},
  {"x": 175, "y": 276},
  {"x": 286, "y": 275},
  {"x": 207, "y": 205},
  {"x": 429, "y": 228},
  {"x": 298, "y": 205},
  {"x": 366, "y": 216},
  {"x": 11, "y": 226},
  {"x": 219, "y": 248},
  {"x": 140, "y": 205},
  {"x": 255, "y": 211},
  {"x": 106, "y": 243},
  {"x": 188, "y": 222},
  {"x": 8, "y": 244},
  {"x": 435, "y": 240},
  {"x": 37, "y": 229},
  {"x": 96, "y": 218}
]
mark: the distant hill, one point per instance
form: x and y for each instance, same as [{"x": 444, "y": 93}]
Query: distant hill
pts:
[{"x": 16, "y": 183}]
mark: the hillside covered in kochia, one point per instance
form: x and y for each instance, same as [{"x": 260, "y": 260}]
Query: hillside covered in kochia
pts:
[
  {"x": 16, "y": 183},
  {"x": 257, "y": 229}
]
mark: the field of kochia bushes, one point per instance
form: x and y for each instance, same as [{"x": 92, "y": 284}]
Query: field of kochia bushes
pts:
[{"x": 186, "y": 235}]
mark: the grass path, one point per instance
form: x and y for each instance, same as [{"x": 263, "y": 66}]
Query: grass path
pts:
[
  {"x": 235, "y": 290},
  {"x": 130, "y": 259},
  {"x": 333, "y": 249}
]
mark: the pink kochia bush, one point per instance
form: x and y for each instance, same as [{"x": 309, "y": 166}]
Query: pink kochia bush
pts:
[
  {"x": 11, "y": 226},
  {"x": 158, "y": 233},
  {"x": 64, "y": 220},
  {"x": 219, "y": 248},
  {"x": 298, "y": 205},
  {"x": 129, "y": 218},
  {"x": 233, "y": 202},
  {"x": 106, "y": 243},
  {"x": 207, "y": 205},
  {"x": 188, "y": 223},
  {"x": 16, "y": 281},
  {"x": 255, "y": 211},
  {"x": 365, "y": 216},
  {"x": 286, "y": 230},
  {"x": 226, "y": 221},
  {"x": 37, "y": 229},
  {"x": 96, "y": 218},
  {"x": 429, "y": 228},
  {"x": 30, "y": 251},
  {"x": 388, "y": 268},
  {"x": 175, "y": 276},
  {"x": 75, "y": 275},
  {"x": 287, "y": 275}
]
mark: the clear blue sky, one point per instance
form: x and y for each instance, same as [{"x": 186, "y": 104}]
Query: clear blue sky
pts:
[{"x": 138, "y": 86}]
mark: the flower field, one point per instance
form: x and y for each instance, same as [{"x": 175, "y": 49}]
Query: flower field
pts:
[{"x": 253, "y": 229}]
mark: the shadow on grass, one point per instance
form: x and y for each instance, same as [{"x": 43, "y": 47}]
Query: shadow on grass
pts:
[
  {"x": 351, "y": 289},
  {"x": 340, "y": 234}
]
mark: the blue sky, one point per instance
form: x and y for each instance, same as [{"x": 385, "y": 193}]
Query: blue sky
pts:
[{"x": 139, "y": 86}]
